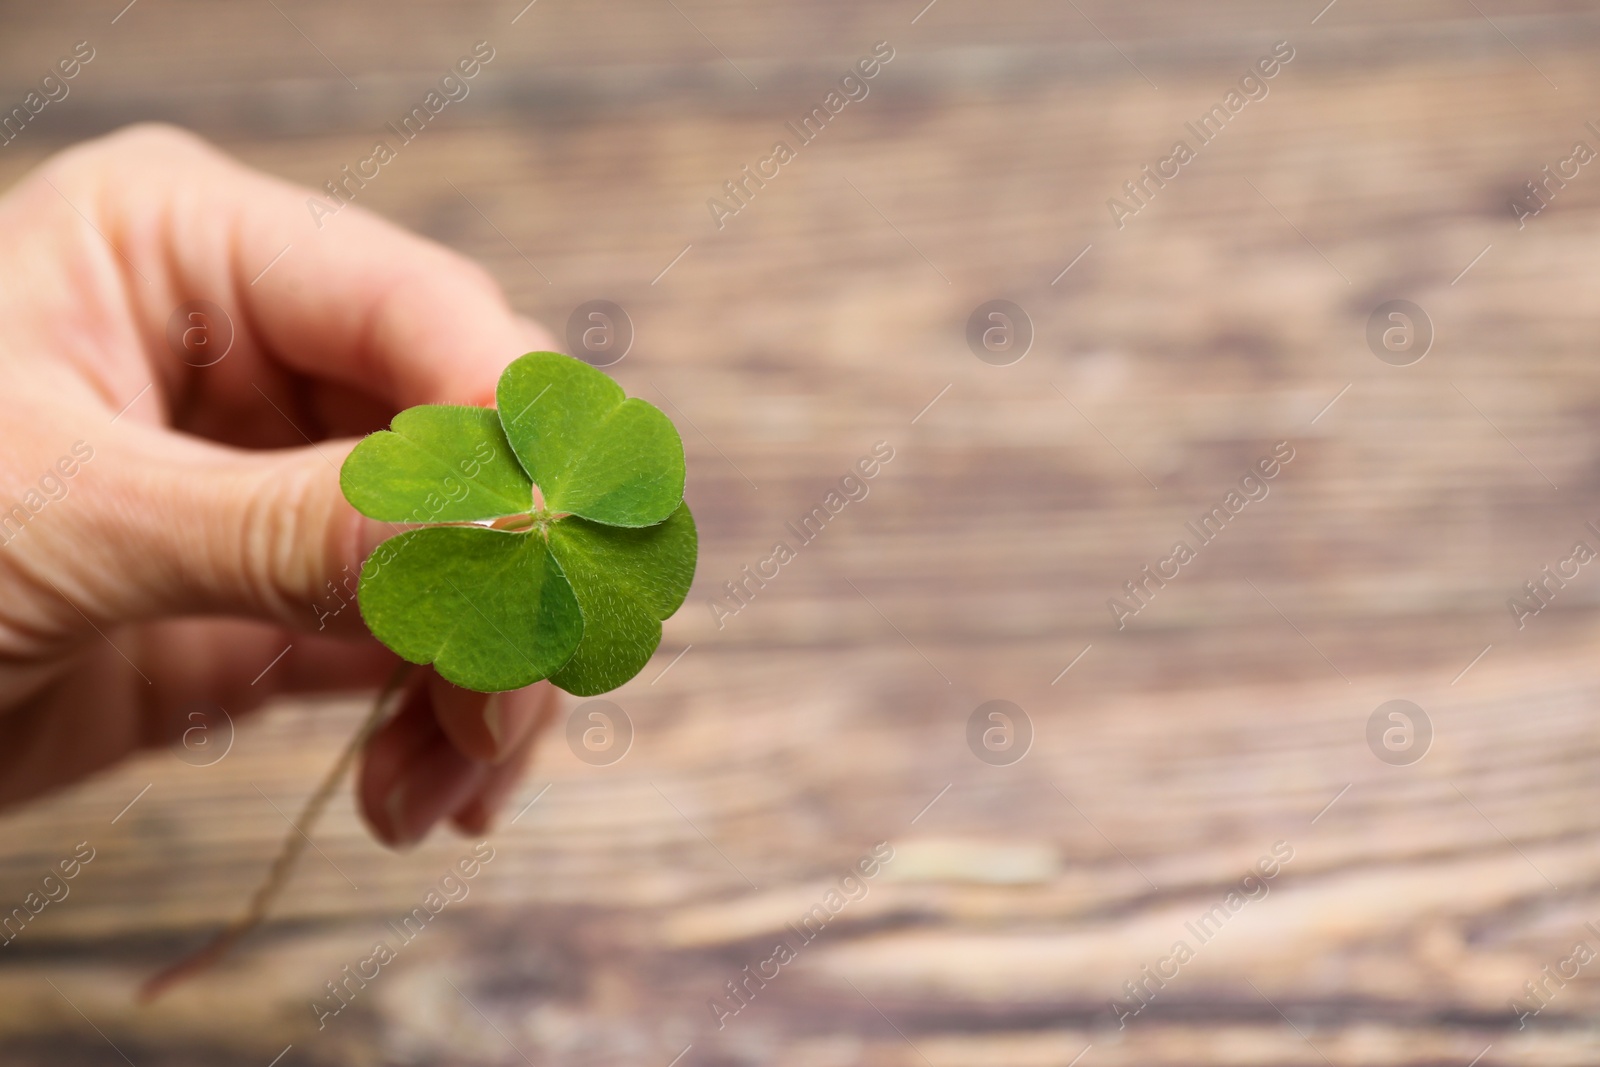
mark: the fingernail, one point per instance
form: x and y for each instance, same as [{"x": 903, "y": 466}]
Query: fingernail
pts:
[
  {"x": 394, "y": 806},
  {"x": 420, "y": 799},
  {"x": 494, "y": 720}
]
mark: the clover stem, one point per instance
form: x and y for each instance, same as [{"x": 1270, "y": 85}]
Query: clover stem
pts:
[
  {"x": 514, "y": 523},
  {"x": 294, "y": 844}
]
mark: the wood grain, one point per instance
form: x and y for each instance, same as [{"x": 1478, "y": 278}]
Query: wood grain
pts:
[{"x": 830, "y": 714}]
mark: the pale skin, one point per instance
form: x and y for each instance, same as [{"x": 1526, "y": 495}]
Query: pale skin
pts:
[{"x": 199, "y": 540}]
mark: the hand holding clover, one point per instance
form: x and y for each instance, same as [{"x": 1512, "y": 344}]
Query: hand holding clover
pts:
[
  {"x": 557, "y": 541},
  {"x": 174, "y": 525}
]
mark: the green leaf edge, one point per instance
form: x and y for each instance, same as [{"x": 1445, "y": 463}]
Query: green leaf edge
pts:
[
  {"x": 604, "y": 383},
  {"x": 577, "y": 688},
  {"x": 365, "y": 497}
]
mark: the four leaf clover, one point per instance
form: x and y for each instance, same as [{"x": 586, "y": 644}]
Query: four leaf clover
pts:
[{"x": 553, "y": 537}]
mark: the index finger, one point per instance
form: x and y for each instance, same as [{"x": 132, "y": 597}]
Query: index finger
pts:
[{"x": 339, "y": 296}]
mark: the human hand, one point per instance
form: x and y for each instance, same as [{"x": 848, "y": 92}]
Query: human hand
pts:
[{"x": 169, "y": 527}]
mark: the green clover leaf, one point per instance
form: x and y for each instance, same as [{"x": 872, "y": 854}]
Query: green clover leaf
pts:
[
  {"x": 437, "y": 464},
  {"x": 592, "y": 452},
  {"x": 553, "y": 536},
  {"x": 627, "y": 581}
]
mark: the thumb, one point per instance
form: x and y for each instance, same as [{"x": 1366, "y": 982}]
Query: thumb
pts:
[{"x": 179, "y": 526}]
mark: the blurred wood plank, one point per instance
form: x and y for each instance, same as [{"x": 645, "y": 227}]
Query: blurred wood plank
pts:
[{"x": 817, "y": 722}]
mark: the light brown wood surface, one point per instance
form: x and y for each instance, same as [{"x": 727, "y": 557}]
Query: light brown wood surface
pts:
[{"x": 830, "y": 714}]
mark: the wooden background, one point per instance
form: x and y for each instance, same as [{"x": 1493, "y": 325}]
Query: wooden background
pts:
[{"x": 831, "y": 713}]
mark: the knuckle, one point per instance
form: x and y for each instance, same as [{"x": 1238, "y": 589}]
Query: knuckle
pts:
[
  {"x": 145, "y": 147},
  {"x": 142, "y": 140},
  {"x": 469, "y": 274},
  {"x": 155, "y": 138}
]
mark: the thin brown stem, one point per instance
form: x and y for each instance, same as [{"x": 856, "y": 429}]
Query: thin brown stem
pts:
[{"x": 294, "y": 844}]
